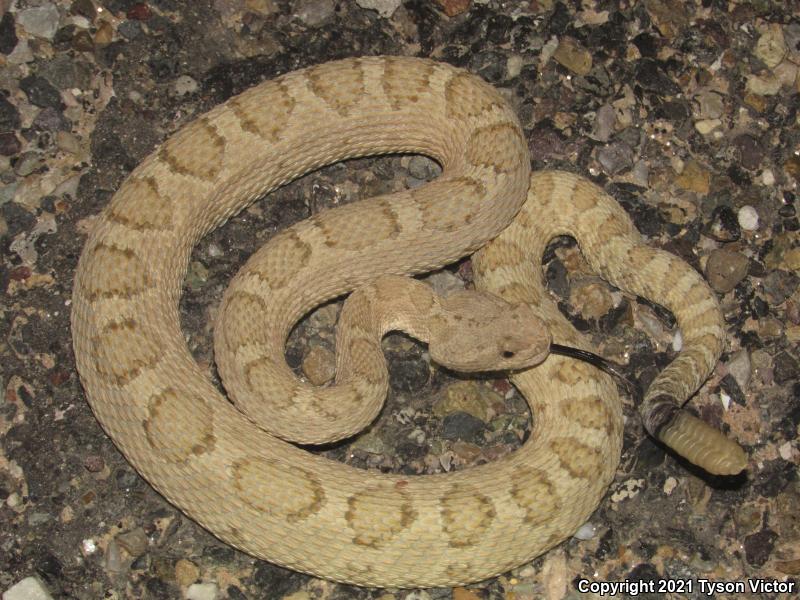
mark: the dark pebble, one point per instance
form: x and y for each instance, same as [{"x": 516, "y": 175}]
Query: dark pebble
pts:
[
  {"x": 51, "y": 119},
  {"x": 724, "y": 225},
  {"x": 739, "y": 176},
  {"x": 787, "y": 210},
  {"x": 560, "y": 19},
  {"x": 17, "y": 218},
  {"x": 158, "y": 588},
  {"x": 615, "y": 157},
  {"x": 83, "y": 42},
  {"x": 489, "y": 65},
  {"x": 731, "y": 387},
  {"x": 8, "y": 34},
  {"x": 462, "y": 426},
  {"x": 94, "y": 463},
  {"x": 606, "y": 545},
  {"x": 234, "y": 593},
  {"x": 758, "y": 546},
  {"x": 785, "y": 368},
  {"x": 674, "y": 111},
  {"x": 9, "y": 144},
  {"x": 280, "y": 582},
  {"x": 647, "y": 44},
  {"x": 557, "y": 280},
  {"x": 40, "y": 92},
  {"x": 498, "y": 29},
  {"x": 126, "y": 478},
  {"x": 652, "y": 78},
  {"x": 792, "y": 224},
  {"x": 64, "y": 36},
  {"x": 130, "y": 30},
  {"x": 407, "y": 373},
  {"x": 780, "y": 285},
  {"x": 220, "y": 553},
  {"x": 64, "y": 72},
  {"x": 773, "y": 478},
  {"x": 140, "y": 12},
  {"x": 9, "y": 115},
  {"x": 750, "y": 151},
  {"x": 85, "y": 8}
]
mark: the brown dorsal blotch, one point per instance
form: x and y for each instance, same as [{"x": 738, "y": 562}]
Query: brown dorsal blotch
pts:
[
  {"x": 195, "y": 151},
  {"x": 265, "y": 112},
  {"x": 405, "y": 87},
  {"x": 340, "y": 86}
]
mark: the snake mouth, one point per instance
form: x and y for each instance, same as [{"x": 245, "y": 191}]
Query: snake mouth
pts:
[{"x": 605, "y": 365}]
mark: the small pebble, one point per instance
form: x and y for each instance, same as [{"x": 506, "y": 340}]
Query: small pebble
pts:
[
  {"x": 319, "y": 365},
  {"x": 185, "y": 85},
  {"x": 384, "y": 8},
  {"x": 771, "y": 46},
  {"x": 677, "y": 341},
  {"x": 573, "y": 56},
  {"x": 203, "y": 591},
  {"x": 29, "y": 588},
  {"x": 739, "y": 368},
  {"x": 585, "y": 532},
  {"x": 313, "y": 12},
  {"x": 748, "y": 218},
  {"x": 186, "y": 572},
  {"x": 41, "y": 21},
  {"x": 725, "y": 269}
]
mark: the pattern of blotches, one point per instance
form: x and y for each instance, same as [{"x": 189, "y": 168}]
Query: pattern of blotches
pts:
[
  {"x": 366, "y": 360},
  {"x": 141, "y": 351},
  {"x": 240, "y": 329},
  {"x": 589, "y": 412},
  {"x": 395, "y": 507},
  {"x": 195, "y": 151},
  {"x": 178, "y": 429},
  {"x": 263, "y": 484},
  {"x": 577, "y": 458},
  {"x": 572, "y": 373},
  {"x": 496, "y": 147},
  {"x": 466, "y": 515},
  {"x": 338, "y": 232},
  {"x": 341, "y": 89},
  {"x": 117, "y": 272},
  {"x": 140, "y": 206},
  {"x": 460, "y": 206},
  {"x": 465, "y": 100},
  {"x": 265, "y": 496},
  {"x": 285, "y": 255},
  {"x": 534, "y": 492},
  {"x": 402, "y": 88},
  {"x": 264, "y": 113}
]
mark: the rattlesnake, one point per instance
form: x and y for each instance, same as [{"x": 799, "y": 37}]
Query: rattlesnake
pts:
[{"x": 279, "y": 502}]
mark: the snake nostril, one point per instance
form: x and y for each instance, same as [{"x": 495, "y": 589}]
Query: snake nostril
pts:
[{"x": 508, "y": 354}]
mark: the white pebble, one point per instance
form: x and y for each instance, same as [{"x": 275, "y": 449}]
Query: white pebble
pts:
[
  {"x": 203, "y": 591},
  {"x": 677, "y": 342},
  {"x": 29, "y": 588},
  {"x": 748, "y": 218},
  {"x": 585, "y": 532},
  {"x": 768, "y": 177}
]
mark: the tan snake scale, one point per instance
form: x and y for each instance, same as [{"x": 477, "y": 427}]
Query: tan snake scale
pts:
[{"x": 278, "y": 502}]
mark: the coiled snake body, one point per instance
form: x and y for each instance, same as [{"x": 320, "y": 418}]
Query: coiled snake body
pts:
[{"x": 272, "y": 499}]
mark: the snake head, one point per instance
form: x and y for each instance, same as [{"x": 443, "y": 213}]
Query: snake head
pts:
[{"x": 481, "y": 332}]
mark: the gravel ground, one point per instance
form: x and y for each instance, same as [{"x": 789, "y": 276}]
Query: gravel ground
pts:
[{"x": 687, "y": 112}]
